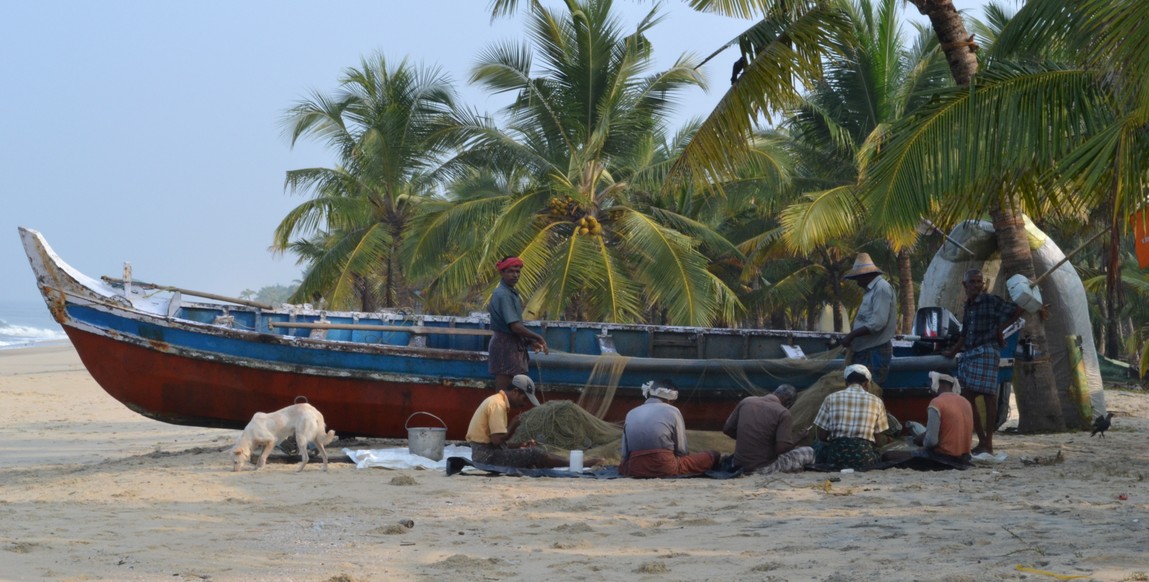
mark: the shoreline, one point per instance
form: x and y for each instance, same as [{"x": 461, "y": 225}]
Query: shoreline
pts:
[
  {"x": 32, "y": 345},
  {"x": 91, "y": 490}
]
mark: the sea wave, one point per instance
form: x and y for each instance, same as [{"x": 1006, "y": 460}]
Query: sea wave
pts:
[{"x": 19, "y": 336}]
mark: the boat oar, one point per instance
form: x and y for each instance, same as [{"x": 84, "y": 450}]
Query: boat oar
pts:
[{"x": 205, "y": 295}]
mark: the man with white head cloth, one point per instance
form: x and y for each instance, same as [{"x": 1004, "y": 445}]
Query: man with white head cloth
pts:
[
  {"x": 949, "y": 425},
  {"x": 654, "y": 438},
  {"x": 848, "y": 423}
]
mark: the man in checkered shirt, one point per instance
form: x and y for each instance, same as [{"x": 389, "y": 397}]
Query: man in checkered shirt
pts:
[
  {"x": 848, "y": 423},
  {"x": 986, "y": 317}
]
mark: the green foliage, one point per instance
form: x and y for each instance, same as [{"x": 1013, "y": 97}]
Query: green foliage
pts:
[
  {"x": 386, "y": 126},
  {"x": 572, "y": 182},
  {"x": 272, "y": 295}
]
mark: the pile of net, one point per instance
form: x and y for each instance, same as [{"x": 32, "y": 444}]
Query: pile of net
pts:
[{"x": 562, "y": 425}]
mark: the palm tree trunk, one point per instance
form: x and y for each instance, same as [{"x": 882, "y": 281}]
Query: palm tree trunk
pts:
[
  {"x": 1113, "y": 294},
  {"x": 1038, "y": 403},
  {"x": 957, "y": 44},
  {"x": 906, "y": 291}
]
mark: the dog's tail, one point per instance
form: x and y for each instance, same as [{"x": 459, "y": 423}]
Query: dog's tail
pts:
[{"x": 329, "y": 438}]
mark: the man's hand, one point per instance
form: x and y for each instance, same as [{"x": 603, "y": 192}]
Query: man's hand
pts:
[
  {"x": 541, "y": 346},
  {"x": 528, "y": 444}
]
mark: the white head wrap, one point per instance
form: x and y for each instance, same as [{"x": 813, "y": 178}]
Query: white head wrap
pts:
[
  {"x": 663, "y": 392},
  {"x": 936, "y": 377},
  {"x": 857, "y": 368}
]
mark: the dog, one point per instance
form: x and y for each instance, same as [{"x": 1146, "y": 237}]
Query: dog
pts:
[{"x": 266, "y": 429}]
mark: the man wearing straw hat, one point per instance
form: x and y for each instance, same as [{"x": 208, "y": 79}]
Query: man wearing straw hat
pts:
[
  {"x": 507, "y": 352},
  {"x": 870, "y": 341}
]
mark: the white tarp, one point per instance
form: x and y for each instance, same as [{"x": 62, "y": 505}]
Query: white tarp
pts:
[{"x": 401, "y": 458}]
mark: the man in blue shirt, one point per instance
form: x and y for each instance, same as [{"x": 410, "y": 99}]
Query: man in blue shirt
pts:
[{"x": 507, "y": 352}]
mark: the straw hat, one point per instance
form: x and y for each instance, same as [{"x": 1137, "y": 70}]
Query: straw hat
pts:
[{"x": 863, "y": 265}]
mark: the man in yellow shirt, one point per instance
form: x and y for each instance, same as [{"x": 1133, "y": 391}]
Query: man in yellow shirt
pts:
[{"x": 490, "y": 430}]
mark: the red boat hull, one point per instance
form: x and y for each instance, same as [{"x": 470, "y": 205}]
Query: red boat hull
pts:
[{"x": 187, "y": 391}]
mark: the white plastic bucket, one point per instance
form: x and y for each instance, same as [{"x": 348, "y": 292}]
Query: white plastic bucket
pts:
[{"x": 426, "y": 441}]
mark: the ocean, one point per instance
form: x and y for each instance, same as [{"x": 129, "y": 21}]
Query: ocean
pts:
[{"x": 27, "y": 323}]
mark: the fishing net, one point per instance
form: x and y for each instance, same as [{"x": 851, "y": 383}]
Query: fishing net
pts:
[
  {"x": 696, "y": 442},
  {"x": 602, "y": 384},
  {"x": 562, "y": 425},
  {"x": 599, "y": 391}
]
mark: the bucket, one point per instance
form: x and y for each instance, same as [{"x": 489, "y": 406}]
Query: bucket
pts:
[{"x": 426, "y": 441}]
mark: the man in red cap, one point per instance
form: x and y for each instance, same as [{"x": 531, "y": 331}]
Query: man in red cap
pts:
[{"x": 511, "y": 340}]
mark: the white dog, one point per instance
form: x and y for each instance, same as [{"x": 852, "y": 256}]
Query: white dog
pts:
[{"x": 266, "y": 429}]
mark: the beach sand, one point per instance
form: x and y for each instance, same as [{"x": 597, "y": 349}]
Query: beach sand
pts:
[{"x": 92, "y": 491}]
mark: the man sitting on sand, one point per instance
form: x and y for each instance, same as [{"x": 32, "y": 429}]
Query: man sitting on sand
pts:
[
  {"x": 489, "y": 430},
  {"x": 848, "y": 423},
  {"x": 654, "y": 438},
  {"x": 949, "y": 425},
  {"x": 761, "y": 429}
]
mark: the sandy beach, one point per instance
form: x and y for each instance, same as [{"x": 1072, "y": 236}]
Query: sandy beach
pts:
[{"x": 92, "y": 491}]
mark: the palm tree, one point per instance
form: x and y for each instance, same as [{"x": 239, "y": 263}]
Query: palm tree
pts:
[
  {"x": 583, "y": 152},
  {"x": 385, "y": 125},
  {"x": 1072, "y": 130},
  {"x": 791, "y": 30},
  {"x": 841, "y": 121}
]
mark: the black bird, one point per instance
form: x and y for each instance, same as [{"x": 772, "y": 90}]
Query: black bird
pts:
[{"x": 1101, "y": 424}]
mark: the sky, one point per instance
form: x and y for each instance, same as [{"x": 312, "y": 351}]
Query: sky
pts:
[{"x": 150, "y": 132}]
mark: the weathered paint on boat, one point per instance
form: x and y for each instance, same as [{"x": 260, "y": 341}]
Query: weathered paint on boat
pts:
[{"x": 214, "y": 365}]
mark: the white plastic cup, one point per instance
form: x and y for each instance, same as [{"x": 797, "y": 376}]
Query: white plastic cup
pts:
[{"x": 576, "y": 461}]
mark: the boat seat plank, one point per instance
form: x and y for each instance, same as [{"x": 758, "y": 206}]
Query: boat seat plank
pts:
[{"x": 412, "y": 329}]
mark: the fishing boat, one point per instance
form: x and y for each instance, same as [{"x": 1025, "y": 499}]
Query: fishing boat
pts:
[{"x": 215, "y": 360}]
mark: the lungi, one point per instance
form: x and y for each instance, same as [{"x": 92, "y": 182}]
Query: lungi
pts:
[
  {"x": 977, "y": 369},
  {"x": 507, "y": 355},
  {"x": 792, "y": 461},
  {"x": 528, "y": 458},
  {"x": 847, "y": 453},
  {"x": 655, "y": 463}
]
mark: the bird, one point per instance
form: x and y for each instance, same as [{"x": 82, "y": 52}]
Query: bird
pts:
[{"x": 1101, "y": 424}]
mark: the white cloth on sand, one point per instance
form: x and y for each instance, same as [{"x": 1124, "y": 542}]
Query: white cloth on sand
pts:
[{"x": 402, "y": 458}]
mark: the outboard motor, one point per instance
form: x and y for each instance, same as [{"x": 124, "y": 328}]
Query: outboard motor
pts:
[{"x": 936, "y": 328}]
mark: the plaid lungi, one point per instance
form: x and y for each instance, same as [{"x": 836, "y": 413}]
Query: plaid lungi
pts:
[
  {"x": 977, "y": 369},
  {"x": 847, "y": 453}
]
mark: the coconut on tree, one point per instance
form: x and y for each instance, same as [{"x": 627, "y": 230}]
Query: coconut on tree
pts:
[{"x": 582, "y": 149}]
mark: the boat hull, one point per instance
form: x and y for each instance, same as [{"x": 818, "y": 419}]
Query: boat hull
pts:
[{"x": 215, "y": 365}]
